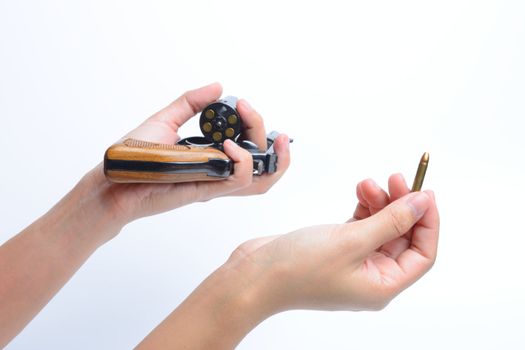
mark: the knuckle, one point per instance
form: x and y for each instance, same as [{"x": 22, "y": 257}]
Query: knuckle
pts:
[
  {"x": 400, "y": 220},
  {"x": 204, "y": 199},
  {"x": 185, "y": 96},
  {"x": 378, "y": 305},
  {"x": 262, "y": 189},
  {"x": 241, "y": 251},
  {"x": 431, "y": 262},
  {"x": 380, "y": 298},
  {"x": 188, "y": 100}
]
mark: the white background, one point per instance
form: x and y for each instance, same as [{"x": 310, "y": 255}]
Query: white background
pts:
[{"x": 364, "y": 88}]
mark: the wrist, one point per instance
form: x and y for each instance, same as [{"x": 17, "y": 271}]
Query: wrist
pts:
[
  {"x": 108, "y": 195},
  {"x": 245, "y": 293},
  {"x": 236, "y": 300},
  {"x": 37, "y": 262},
  {"x": 88, "y": 212},
  {"x": 241, "y": 292},
  {"x": 218, "y": 314}
]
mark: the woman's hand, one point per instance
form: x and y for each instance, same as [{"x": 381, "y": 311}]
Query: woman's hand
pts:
[
  {"x": 389, "y": 243},
  {"x": 131, "y": 201},
  {"x": 37, "y": 262}
]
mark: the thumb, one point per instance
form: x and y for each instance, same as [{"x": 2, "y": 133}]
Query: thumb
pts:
[{"x": 393, "y": 221}]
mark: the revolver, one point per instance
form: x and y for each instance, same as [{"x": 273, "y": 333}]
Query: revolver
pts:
[{"x": 197, "y": 158}]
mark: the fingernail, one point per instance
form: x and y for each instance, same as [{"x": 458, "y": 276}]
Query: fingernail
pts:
[{"x": 418, "y": 202}]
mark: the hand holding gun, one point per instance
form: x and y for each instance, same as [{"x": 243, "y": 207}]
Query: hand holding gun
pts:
[{"x": 193, "y": 158}]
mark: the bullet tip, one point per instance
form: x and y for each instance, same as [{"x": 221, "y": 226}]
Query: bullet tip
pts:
[{"x": 425, "y": 157}]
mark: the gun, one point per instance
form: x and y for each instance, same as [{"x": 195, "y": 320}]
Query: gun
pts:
[{"x": 193, "y": 158}]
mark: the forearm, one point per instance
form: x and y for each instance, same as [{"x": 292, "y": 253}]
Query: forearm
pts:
[
  {"x": 37, "y": 262},
  {"x": 218, "y": 314}
]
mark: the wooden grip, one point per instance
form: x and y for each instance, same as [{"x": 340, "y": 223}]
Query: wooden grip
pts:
[{"x": 141, "y": 161}]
